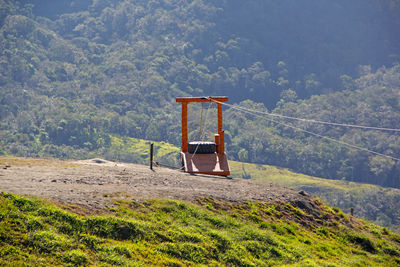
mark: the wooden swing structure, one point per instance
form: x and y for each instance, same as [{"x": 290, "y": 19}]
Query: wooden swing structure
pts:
[{"x": 212, "y": 160}]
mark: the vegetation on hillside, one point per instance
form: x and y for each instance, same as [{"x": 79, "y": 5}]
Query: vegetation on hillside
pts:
[
  {"x": 75, "y": 74},
  {"x": 375, "y": 203},
  {"x": 167, "y": 232},
  {"x": 138, "y": 150},
  {"x": 372, "y": 202},
  {"x": 371, "y": 100}
]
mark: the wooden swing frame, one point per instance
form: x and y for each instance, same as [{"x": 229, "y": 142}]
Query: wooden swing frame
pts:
[{"x": 212, "y": 164}]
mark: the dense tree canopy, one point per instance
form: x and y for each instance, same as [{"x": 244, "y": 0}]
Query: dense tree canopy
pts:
[
  {"x": 373, "y": 101},
  {"x": 74, "y": 72}
]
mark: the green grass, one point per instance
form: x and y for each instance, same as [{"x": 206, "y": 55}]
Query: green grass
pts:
[
  {"x": 382, "y": 202},
  {"x": 175, "y": 233},
  {"x": 288, "y": 178},
  {"x": 372, "y": 202},
  {"x": 137, "y": 150},
  {"x": 141, "y": 146}
]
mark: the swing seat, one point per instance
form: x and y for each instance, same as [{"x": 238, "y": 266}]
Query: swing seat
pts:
[
  {"x": 200, "y": 147},
  {"x": 211, "y": 164}
]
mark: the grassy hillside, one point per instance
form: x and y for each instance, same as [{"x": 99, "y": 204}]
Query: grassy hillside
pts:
[
  {"x": 375, "y": 203},
  {"x": 174, "y": 233},
  {"x": 378, "y": 204},
  {"x": 137, "y": 150}
]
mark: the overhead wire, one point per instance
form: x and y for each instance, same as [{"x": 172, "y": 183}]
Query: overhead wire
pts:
[
  {"x": 315, "y": 121},
  {"x": 253, "y": 112},
  {"x": 304, "y": 120}
]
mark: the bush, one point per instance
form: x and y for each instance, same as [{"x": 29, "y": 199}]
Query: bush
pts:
[
  {"x": 362, "y": 240},
  {"x": 47, "y": 242},
  {"x": 65, "y": 222},
  {"x": 223, "y": 243},
  {"x": 116, "y": 228},
  {"x": 90, "y": 241},
  {"x": 185, "y": 251},
  {"x": 76, "y": 257},
  {"x": 257, "y": 235},
  {"x": 22, "y": 203}
]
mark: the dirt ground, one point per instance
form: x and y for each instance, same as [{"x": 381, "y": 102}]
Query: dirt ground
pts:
[{"x": 96, "y": 182}]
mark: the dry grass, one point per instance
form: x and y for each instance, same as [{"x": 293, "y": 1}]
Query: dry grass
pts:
[{"x": 51, "y": 162}]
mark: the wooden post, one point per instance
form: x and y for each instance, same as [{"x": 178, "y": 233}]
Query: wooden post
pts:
[
  {"x": 222, "y": 142},
  {"x": 219, "y": 118},
  {"x": 151, "y": 156},
  {"x": 216, "y": 141},
  {"x": 184, "y": 127}
]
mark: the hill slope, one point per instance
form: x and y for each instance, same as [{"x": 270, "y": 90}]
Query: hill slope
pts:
[
  {"x": 375, "y": 203},
  {"x": 118, "y": 225},
  {"x": 97, "y": 182}
]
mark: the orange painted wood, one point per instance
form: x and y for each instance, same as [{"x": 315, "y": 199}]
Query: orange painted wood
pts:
[
  {"x": 184, "y": 127},
  {"x": 201, "y": 99},
  {"x": 219, "y": 118},
  {"x": 216, "y": 141},
  {"x": 212, "y": 164},
  {"x": 222, "y": 142}
]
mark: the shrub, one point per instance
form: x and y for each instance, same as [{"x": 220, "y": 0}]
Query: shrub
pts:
[
  {"x": 76, "y": 258},
  {"x": 121, "y": 250},
  {"x": 255, "y": 248},
  {"x": 322, "y": 231},
  {"x": 47, "y": 242},
  {"x": 34, "y": 224},
  {"x": 362, "y": 240},
  {"x": 22, "y": 203},
  {"x": 257, "y": 235},
  {"x": 223, "y": 243},
  {"x": 90, "y": 241},
  {"x": 189, "y": 237},
  {"x": 64, "y": 221},
  {"x": 236, "y": 256},
  {"x": 116, "y": 228},
  {"x": 185, "y": 251}
]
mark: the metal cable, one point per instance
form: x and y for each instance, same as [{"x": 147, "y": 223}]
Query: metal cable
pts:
[
  {"x": 309, "y": 120},
  {"x": 306, "y": 131}
]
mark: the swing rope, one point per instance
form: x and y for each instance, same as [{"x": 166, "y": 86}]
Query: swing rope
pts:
[{"x": 205, "y": 119}]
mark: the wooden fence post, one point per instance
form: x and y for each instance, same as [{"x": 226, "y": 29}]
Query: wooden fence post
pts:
[{"x": 151, "y": 156}]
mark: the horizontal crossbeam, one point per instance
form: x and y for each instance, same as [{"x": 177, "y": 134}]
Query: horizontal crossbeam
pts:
[{"x": 202, "y": 99}]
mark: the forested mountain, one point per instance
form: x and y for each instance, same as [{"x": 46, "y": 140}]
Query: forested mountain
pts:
[
  {"x": 72, "y": 73},
  {"x": 372, "y": 99}
]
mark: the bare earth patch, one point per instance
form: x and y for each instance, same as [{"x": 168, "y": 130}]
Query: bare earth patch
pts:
[{"x": 95, "y": 183}]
